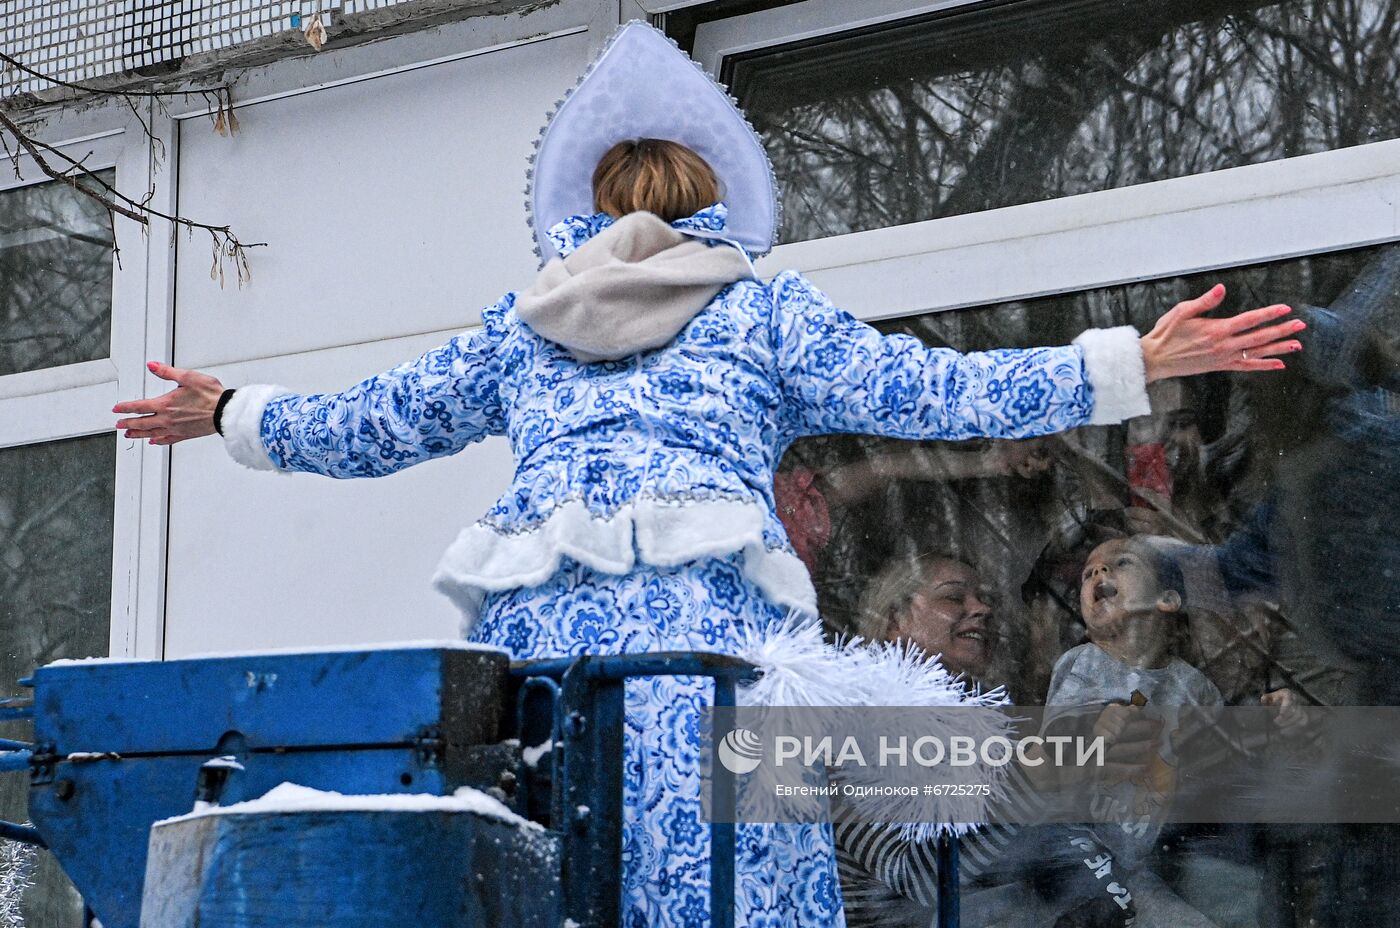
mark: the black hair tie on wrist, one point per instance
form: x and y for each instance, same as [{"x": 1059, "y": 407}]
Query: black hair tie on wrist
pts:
[{"x": 219, "y": 410}]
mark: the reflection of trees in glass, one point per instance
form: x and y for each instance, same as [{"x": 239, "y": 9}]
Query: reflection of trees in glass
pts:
[
  {"x": 55, "y": 552},
  {"x": 55, "y": 278},
  {"x": 1027, "y": 532},
  {"x": 56, "y": 524},
  {"x": 979, "y": 110},
  {"x": 73, "y": 173}
]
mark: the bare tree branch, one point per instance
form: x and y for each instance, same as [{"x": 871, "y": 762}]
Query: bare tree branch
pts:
[{"x": 61, "y": 167}]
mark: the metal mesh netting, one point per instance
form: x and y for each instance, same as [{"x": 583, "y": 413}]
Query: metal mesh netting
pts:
[{"x": 78, "y": 40}]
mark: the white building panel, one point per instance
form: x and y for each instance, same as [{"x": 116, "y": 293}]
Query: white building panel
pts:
[
  {"x": 393, "y": 208},
  {"x": 266, "y": 560}
]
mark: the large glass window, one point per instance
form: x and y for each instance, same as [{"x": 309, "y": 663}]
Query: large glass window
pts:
[
  {"x": 995, "y": 104},
  {"x": 1280, "y": 494},
  {"x": 55, "y": 552},
  {"x": 56, "y": 496},
  {"x": 56, "y": 521},
  {"x": 55, "y": 277}
]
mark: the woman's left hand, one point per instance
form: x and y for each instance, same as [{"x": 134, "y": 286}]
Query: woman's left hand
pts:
[{"x": 1183, "y": 342}]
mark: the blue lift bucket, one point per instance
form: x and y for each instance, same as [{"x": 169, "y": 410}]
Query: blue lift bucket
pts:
[{"x": 122, "y": 745}]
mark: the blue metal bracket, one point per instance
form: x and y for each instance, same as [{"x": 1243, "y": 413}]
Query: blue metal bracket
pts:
[
  {"x": 43, "y": 764},
  {"x": 429, "y": 746},
  {"x": 526, "y": 775},
  {"x": 21, "y": 833},
  {"x": 591, "y": 774},
  {"x": 12, "y": 761},
  {"x": 949, "y": 903},
  {"x": 14, "y": 757},
  {"x": 16, "y": 710}
]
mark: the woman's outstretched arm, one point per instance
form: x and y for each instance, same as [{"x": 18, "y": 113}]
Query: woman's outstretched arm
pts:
[
  {"x": 841, "y": 375},
  {"x": 426, "y": 408}
]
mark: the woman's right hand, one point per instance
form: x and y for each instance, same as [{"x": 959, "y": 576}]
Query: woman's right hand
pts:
[{"x": 185, "y": 412}]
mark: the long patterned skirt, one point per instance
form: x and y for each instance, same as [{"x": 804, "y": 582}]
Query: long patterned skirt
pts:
[{"x": 785, "y": 875}]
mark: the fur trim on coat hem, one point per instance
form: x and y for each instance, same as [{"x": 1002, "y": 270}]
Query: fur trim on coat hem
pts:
[{"x": 484, "y": 560}]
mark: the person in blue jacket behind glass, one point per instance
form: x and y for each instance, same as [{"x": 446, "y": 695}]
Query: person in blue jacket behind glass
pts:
[{"x": 649, "y": 382}]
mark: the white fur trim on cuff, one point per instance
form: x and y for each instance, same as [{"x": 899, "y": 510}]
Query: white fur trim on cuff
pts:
[
  {"x": 242, "y": 424},
  {"x": 1114, "y": 366}
]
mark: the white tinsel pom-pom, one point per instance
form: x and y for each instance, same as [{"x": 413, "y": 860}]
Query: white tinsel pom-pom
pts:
[
  {"x": 900, "y": 673},
  {"x": 16, "y": 877},
  {"x": 801, "y": 669}
]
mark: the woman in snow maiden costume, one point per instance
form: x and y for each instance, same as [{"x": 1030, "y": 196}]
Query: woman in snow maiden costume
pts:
[{"x": 649, "y": 383}]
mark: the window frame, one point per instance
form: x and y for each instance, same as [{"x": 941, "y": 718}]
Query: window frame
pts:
[
  {"x": 74, "y": 400},
  {"x": 21, "y": 425},
  {"x": 718, "y": 40}
]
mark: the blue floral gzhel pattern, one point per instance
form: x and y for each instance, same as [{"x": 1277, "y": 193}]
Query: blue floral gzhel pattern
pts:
[
  {"x": 784, "y": 874},
  {"x": 572, "y": 231},
  {"x": 707, "y": 418}
]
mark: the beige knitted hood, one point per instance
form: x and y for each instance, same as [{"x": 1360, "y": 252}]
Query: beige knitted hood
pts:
[{"x": 630, "y": 288}]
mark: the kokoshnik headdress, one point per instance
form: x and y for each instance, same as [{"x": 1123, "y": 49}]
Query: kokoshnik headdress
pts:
[{"x": 642, "y": 85}]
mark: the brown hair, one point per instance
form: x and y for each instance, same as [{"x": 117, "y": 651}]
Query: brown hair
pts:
[
  {"x": 891, "y": 591},
  {"x": 655, "y": 175}
]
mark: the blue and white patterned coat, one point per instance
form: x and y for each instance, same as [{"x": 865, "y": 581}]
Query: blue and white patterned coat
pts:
[
  {"x": 641, "y": 516},
  {"x": 669, "y": 456}
]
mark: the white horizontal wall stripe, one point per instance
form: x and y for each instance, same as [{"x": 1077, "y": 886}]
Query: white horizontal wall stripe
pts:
[{"x": 1228, "y": 218}]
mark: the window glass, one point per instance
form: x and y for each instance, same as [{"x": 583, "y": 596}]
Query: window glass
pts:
[
  {"x": 56, "y": 521},
  {"x": 55, "y": 277},
  {"x": 1007, "y": 103},
  {"x": 1213, "y": 450},
  {"x": 1281, "y": 491}
]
